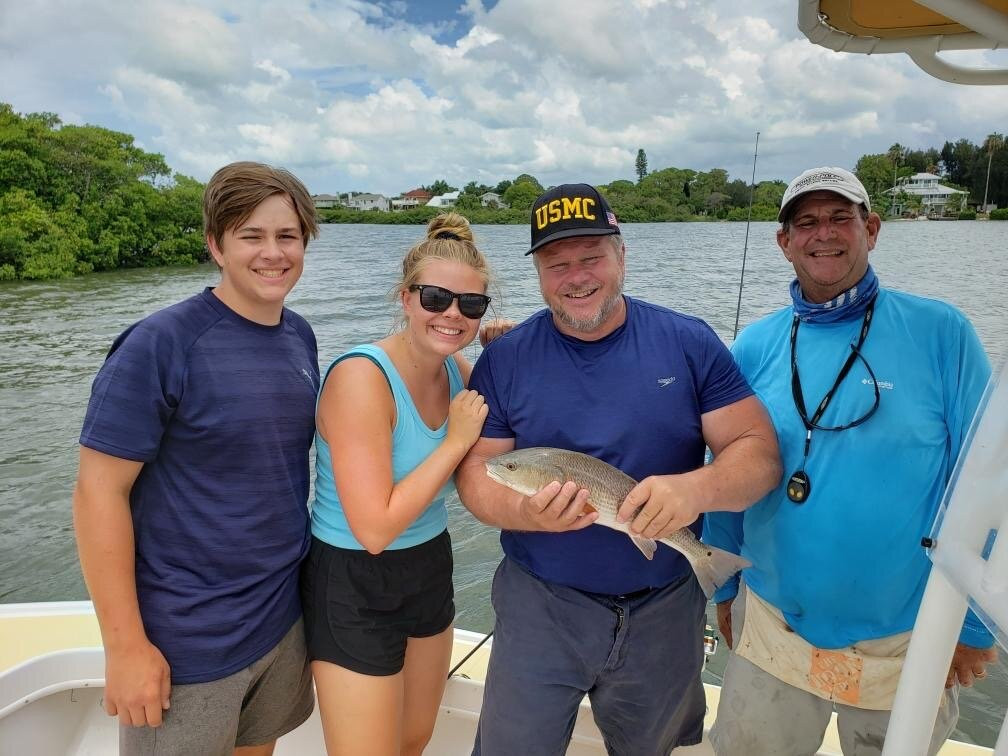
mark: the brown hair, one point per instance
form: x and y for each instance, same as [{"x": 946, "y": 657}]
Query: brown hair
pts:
[
  {"x": 450, "y": 238},
  {"x": 235, "y": 191}
]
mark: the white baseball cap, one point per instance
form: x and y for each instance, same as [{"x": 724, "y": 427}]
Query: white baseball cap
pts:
[{"x": 836, "y": 180}]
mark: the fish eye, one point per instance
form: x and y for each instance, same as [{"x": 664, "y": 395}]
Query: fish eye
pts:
[{"x": 511, "y": 466}]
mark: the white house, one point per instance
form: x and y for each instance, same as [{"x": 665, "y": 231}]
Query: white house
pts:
[
  {"x": 491, "y": 199},
  {"x": 369, "y": 202},
  {"x": 934, "y": 196},
  {"x": 444, "y": 200},
  {"x": 325, "y": 200},
  {"x": 404, "y": 203}
]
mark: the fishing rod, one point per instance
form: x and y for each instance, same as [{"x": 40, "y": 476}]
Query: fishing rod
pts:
[
  {"x": 466, "y": 657},
  {"x": 745, "y": 246}
]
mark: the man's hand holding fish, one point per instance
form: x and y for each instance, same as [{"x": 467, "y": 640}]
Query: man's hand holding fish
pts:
[
  {"x": 660, "y": 505},
  {"x": 559, "y": 506}
]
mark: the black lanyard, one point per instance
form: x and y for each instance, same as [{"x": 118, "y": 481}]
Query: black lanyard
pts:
[{"x": 799, "y": 486}]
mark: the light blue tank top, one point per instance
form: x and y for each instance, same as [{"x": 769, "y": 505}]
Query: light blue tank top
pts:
[{"x": 412, "y": 443}]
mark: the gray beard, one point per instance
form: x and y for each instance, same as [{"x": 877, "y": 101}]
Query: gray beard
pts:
[{"x": 587, "y": 325}]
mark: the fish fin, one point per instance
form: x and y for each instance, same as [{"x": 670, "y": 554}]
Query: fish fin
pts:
[
  {"x": 715, "y": 567},
  {"x": 645, "y": 544}
]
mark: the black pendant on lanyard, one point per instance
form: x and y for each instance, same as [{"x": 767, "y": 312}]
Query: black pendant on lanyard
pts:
[{"x": 799, "y": 486}]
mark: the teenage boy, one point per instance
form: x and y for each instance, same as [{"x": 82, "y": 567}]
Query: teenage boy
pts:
[{"x": 190, "y": 505}]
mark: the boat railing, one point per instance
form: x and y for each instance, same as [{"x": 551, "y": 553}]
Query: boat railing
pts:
[{"x": 970, "y": 569}]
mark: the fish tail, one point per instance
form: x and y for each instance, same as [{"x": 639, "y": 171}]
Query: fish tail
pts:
[{"x": 714, "y": 567}]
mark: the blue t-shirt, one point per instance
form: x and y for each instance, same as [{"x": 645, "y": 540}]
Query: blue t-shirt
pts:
[
  {"x": 412, "y": 442},
  {"x": 633, "y": 398},
  {"x": 847, "y": 564},
  {"x": 221, "y": 412}
]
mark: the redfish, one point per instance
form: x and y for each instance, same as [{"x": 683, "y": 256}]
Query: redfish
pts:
[{"x": 528, "y": 470}]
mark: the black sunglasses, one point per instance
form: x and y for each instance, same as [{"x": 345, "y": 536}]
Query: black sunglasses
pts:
[{"x": 439, "y": 299}]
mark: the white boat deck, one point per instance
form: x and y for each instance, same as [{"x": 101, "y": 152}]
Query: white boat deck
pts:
[{"x": 51, "y": 683}]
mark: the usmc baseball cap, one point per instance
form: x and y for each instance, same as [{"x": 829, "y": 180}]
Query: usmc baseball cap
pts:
[
  {"x": 835, "y": 180},
  {"x": 570, "y": 210}
]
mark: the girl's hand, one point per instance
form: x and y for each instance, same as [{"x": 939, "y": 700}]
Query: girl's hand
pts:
[
  {"x": 466, "y": 414},
  {"x": 494, "y": 328}
]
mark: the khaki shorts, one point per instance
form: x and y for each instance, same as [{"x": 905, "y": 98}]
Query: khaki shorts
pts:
[
  {"x": 761, "y": 714},
  {"x": 253, "y": 706}
]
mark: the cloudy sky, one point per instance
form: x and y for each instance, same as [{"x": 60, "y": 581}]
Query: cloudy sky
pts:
[{"x": 385, "y": 96}]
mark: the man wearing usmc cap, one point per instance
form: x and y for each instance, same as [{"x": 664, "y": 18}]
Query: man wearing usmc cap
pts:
[
  {"x": 871, "y": 391},
  {"x": 579, "y": 610}
]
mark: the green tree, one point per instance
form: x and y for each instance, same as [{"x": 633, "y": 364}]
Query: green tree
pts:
[
  {"x": 896, "y": 155},
  {"x": 521, "y": 194},
  {"x": 619, "y": 188},
  {"x": 702, "y": 185},
  {"x": 440, "y": 187},
  {"x": 36, "y": 243},
  {"x": 738, "y": 193},
  {"x": 641, "y": 165},
  {"x": 769, "y": 193},
  {"x": 991, "y": 144},
  {"x": 960, "y": 161},
  {"x": 477, "y": 189},
  {"x": 667, "y": 184},
  {"x": 74, "y": 199},
  {"x": 467, "y": 202},
  {"x": 24, "y": 150},
  {"x": 876, "y": 172},
  {"x": 528, "y": 179},
  {"x": 715, "y": 202}
]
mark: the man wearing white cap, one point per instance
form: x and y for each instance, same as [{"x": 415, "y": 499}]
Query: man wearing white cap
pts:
[{"x": 871, "y": 392}]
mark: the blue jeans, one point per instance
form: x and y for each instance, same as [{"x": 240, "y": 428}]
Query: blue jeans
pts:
[{"x": 637, "y": 657}]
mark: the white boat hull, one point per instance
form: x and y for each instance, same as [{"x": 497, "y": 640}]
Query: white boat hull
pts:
[{"x": 51, "y": 705}]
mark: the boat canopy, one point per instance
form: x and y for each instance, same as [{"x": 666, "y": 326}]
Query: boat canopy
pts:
[{"x": 919, "y": 28}]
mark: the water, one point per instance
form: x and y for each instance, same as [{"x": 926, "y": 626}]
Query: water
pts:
[{"x": 53, "y": 337}]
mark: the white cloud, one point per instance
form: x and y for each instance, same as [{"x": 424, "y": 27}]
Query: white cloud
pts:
[
  {"x": 273, "y": 70},
  {"x": 354, "y": 94}
]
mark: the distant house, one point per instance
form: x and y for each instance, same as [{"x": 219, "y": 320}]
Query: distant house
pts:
[
  {"x": 411, "y": 199},
  {"x": 325, "y": 200},
  {"x": 368, "y": 202},
  {"x": 491, "y": 199},
  {"x": 444, "y": 200},
  {"x": 934, "y": 196},
  {"x": 404, "y": 203},
  {"x": 421, "y": 195}
]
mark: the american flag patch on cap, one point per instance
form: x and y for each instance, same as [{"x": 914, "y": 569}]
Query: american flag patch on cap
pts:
[{"x": 611, "y": 218}]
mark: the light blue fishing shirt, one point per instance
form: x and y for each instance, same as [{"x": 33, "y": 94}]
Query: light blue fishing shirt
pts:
[
  {"x": 412, "y": 442},
  {"x": 847, "y": 565}
]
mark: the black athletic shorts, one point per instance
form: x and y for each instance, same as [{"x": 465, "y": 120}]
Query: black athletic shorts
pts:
[{"x": 360, "y": 608}]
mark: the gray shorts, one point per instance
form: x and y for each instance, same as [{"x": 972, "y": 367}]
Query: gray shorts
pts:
[
  {"x": 254, "y": 706},
  {"x": 759, "y": 715},
  {"x": 637, "y": 658}
]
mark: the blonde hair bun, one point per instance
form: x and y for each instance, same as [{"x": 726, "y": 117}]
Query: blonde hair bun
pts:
[{"x": 449, "y": 226}]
